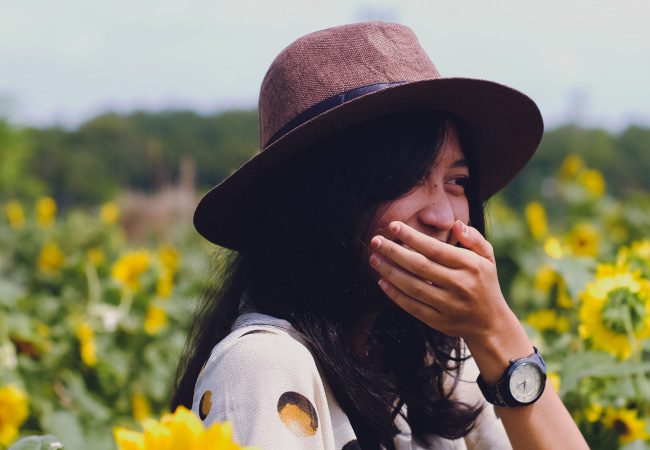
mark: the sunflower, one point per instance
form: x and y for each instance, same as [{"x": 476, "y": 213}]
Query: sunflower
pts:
[
  {"x": 128, "y": 269},
  {"x": 584, "y": 240},
  {"x": 554, "y": 248},
  {"x": 51, "y": 258},
  {"x": 554, "y": 379},
  {"x": 593, "y": 182},
  {"x": 628, "y": 426},
  {"x": 548, "y": 320},
  {"x": 14, "y": 410},
  {"x": 87, "y": 346},
  {"x": 155, "y": 320},
  {"x": 571, "y": 165},
  {"x": 181, "y": 430},
  {"x": 140, "y": 406},
  {"x": 45, "y": 212},
  {"x": 536, "y": 219},
  {"x": 15, "y": 214},
  {"x": 109, "y": 213},
  {"x": 545, "y": 278},
  {"x": 615, "y": 310},
  {"x": 637, "y": 256}
]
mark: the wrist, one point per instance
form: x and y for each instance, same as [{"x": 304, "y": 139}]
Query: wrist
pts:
[
  {"x": 494, "y": 349},
  {"x": 521, "y": 384}
]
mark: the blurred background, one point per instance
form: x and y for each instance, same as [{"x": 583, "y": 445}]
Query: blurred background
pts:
[{"x": 116, "y": 117}]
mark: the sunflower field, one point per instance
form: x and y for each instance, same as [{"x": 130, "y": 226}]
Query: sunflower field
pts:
[{"x": 91, "y": 327}]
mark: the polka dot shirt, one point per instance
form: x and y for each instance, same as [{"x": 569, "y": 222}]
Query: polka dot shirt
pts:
[{"x": 265, "y": 382}]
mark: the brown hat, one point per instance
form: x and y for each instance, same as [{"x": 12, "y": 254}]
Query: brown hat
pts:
[{"x": 337, "y": 77}]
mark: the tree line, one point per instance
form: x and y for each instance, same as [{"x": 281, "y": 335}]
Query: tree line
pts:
[{"x": 144, "y": 151}]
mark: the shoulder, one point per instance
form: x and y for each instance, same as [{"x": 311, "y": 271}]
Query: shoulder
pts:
[
  {"x": 254, "y": 366},
  {"x": 267, "y": 384},
  {"x": 258, "y": 354},
  {"x": 261, "y": 345}
]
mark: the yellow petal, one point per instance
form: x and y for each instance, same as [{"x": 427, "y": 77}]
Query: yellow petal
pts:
[
  {"x": 128, "y": 439},
  {"x": 156, "y": 435},
  {"x": 186, "y": 429}
]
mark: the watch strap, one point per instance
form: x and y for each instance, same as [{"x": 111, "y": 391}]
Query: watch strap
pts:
[{"x": 493, "y": 394}]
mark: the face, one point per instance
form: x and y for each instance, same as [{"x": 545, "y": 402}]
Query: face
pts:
[{"x": 434, "y": 206}]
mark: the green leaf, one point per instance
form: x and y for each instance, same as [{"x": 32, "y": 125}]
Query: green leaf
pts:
[
  {"x": 577, "y": 272},
  {"x": 47, "y": 442},
  {"x": 86, "y": 402},
  {"x": 65, "y": 424},
  {"x": 9, "y": 292},
  {"x": 596, "y": 364},
  {"x": 636, "y": 445}
]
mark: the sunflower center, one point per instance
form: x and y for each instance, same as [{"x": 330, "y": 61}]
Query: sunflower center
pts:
[
  {"x": 624, "y": 311},
  {"x": 621, "y": 427}
]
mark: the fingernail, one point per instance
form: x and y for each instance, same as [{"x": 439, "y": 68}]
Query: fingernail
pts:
[
  {"x": 374, "y": 260},
  {"x": 382, "y": 284},
  {"x": 465, "y": 229},
  {"x": 394, "y": 227},
  {"x": 375, "y": 242}
]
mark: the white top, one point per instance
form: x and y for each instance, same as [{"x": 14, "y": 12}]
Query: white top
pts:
[{"x": 264, "y": 380}]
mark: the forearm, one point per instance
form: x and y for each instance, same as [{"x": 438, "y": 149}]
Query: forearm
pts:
[{"x": 546, "y": 424}]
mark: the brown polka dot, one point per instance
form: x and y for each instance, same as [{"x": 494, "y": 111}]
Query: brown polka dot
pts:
[
  {"x": 352, "y": 445},
  {"x": 298, "y": 414},
  {"x": 205, "y": 405}
]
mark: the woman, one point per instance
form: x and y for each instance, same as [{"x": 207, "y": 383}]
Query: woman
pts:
[{"x": 373, "y": 168}]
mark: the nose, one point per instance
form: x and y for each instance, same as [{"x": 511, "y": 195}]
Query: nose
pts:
[{"x": 437, "y": 215}]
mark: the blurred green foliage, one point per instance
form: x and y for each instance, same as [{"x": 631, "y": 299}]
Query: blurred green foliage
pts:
[
  {"x": 91, "y": 327},
  {"x": 143, "y": 151},
  {"x": 624, "y": 160},
  {"x": 16, "y": 162}
]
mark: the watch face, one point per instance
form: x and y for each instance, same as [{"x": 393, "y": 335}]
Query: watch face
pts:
[{"x": 526, "y": 383}]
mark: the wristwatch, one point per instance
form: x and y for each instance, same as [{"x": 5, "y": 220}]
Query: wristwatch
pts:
[{"x": 521, "y": 384}]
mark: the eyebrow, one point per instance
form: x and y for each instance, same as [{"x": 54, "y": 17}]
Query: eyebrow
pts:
[{"x": 459, "y": 163}]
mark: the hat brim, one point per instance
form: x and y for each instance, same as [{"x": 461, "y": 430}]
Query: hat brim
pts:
[{"x": 507, "y": 127}]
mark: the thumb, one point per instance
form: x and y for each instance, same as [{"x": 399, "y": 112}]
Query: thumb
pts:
[{"x": 471, "y": 239}]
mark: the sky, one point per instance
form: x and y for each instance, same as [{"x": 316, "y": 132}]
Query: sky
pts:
[{"x": 64, "y": 61}]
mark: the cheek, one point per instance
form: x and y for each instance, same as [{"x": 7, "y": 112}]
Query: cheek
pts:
[
  {"x": 461, "y": 209},
  {"x": 387, "y": 213},
  {"x": 380, "y": 227}
]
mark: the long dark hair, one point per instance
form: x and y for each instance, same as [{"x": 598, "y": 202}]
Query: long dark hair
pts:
[{"x": 305, "y": 266}]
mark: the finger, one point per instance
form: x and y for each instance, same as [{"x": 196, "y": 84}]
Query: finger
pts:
[
  {"x": 409, "y": 304},
  {"x": 432, "y": 248},
  {"x": 414, "y": 262},
  {"x": 408, "y": 284},
  {"x": 473, "y": 240}
]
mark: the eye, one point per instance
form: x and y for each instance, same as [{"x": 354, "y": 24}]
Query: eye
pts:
[{"x": 460, "y": 181}]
